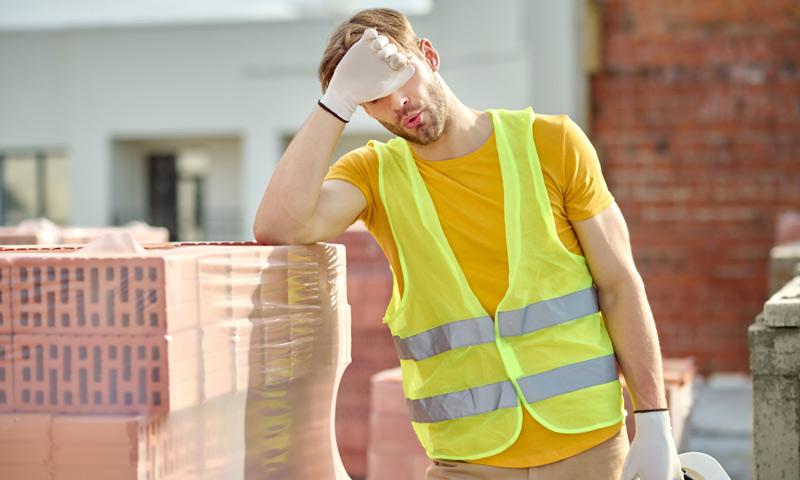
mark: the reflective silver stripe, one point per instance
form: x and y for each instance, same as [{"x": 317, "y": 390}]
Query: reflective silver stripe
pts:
[
  {"x": 463, "y": 333},
  {"x": 569, "y": 378},
  {"x": 476, "y": 331},
  {"x": 464, "y": 403},
  {"x": 548, "y": 313},
  {"x": 541, "y": 386}
]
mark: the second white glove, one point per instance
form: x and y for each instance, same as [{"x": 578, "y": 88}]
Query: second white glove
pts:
[
  {"x": 371, "y": 69},
  {"x": 653, "y": 455}
]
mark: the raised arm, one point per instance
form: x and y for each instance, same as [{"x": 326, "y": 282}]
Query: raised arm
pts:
[
  {"x": 297, "y": 206},
  {"x": 605, "y": 242}
]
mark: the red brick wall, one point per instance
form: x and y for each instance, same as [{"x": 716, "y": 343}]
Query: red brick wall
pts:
[
  {"x": 696, "y": 118},
  {"x": 369, "y": 288}
]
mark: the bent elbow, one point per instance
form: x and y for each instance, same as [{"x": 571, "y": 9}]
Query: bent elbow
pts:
[
  {"x": 268, "y": 236},
  {"x": 274, "y": 235}
]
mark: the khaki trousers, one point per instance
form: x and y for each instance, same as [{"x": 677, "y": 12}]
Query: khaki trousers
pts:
[{"x": 602, "y": 462}]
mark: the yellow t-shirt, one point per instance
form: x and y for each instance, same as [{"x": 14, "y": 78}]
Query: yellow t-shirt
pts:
[{"x": 468, "y": 195}]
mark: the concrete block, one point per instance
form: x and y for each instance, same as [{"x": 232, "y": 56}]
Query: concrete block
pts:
[
  {"x": 783, "y": 263},
  {"x": 776, "y": 426},
  {"x": 783, "y": 308},
  {"x": 774, "y": 351}
]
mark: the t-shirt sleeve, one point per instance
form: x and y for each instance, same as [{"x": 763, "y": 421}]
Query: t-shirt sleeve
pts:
[
  {"x": 356, "y": 168},
  {"x": 586, "y": 193}
]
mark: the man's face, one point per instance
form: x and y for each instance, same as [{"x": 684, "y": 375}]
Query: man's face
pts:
[{"x": 417, "y": 111}]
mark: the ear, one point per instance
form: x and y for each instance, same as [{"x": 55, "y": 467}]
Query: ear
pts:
[{"x": 429, "y": 53}]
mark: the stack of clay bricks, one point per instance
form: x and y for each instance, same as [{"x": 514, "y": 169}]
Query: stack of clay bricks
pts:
[
  {"x": 45, "y": 232},
  {"x": 199, "y": 361},
  {"x": 784, "y": 265},
  {"x": 369, "y": 282},
  {"x": 394, "y": 453}
]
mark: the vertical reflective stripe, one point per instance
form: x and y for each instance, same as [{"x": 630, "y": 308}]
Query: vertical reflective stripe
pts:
[
  {"x": 463, "y": 333},
  {"x": 569, "y": 378},
  {"x": 548, "y": 313},
  {"x": 463, "y": 403}
]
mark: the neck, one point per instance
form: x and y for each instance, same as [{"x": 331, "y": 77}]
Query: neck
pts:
[{"x": 466, "y": 130}]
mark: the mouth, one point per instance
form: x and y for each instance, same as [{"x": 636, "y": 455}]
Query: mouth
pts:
[{"x": 413, "y": 120}]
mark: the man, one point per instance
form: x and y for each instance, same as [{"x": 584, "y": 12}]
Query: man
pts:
[{"x": 506, "y": 247}]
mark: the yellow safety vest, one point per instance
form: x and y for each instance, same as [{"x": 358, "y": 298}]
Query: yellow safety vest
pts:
[{"x": 465, "y": 376}]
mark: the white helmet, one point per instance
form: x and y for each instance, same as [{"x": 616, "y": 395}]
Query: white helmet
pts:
[{"x": 699, "y": 466}]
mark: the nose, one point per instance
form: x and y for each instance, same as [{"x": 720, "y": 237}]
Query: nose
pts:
[{"x": 398, "y": 99}]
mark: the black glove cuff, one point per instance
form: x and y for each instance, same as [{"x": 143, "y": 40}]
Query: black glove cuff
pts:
[
  {"x": 653, "y": 410},
  {"x": 319, "y": 102}
]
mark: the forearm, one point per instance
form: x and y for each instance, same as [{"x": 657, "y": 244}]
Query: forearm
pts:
[
  {"x": 652, "y": 455},
  {"x": 296, "y": 207},
  {"x": 630, "y": 323},
  {"x": 286, "y": 212}
]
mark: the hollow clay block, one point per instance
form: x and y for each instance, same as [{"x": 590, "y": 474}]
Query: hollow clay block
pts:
[
  {"x": 6, "y": 375},
  {"x": 85, "y": 291},
  {"x": 25, "y": 448},
  {"x": 105, "y": 373},
  {"x": 5, "y": 297}
]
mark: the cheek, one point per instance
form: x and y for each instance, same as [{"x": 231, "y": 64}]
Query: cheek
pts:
[
  {"x": 376, "y": 110},
  {"x": 379, "y": 110}
]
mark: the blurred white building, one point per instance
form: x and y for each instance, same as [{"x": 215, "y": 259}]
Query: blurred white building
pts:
[{"x": 178, "y": 116}]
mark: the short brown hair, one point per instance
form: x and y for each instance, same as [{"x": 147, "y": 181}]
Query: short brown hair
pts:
[{"x": 386, "y": 21}]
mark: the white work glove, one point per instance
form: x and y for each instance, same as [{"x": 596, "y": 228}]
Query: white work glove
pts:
[
  {"x": 653, "y": 455},
  {"x": 371, "y": 69}
]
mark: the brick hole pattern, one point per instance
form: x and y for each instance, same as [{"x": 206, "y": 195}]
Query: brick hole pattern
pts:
[
  {"x": 6, "y": 375},
  {"x": 90, "y": 374},
  {"x": 5, "y": 297},
  {"x": 93, "y": 296}
]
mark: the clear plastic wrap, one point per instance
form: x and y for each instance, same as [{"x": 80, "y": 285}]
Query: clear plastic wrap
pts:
[
  {"x": 181, "y": 361},
  {"x": 41, "y": 231}
]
